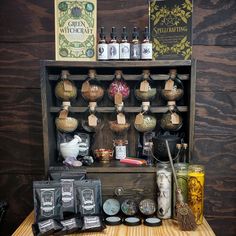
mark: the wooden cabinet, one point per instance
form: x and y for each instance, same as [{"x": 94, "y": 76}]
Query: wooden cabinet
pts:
[{"x": 114, "y": 174}]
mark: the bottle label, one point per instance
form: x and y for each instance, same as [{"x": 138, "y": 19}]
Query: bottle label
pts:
[
  {"x": 113, "y": 51},
  {"x": 146, "y": 53},
  {"x": 102, "y": 51},
  {"x": 124, "y": 50},
  {"x": 164, "y": 194},
  {"x": 120, "y": 152},
  {"x": 135, "y": 51}
]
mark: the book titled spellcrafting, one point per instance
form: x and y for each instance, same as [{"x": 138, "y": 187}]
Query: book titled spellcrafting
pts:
[
  {"x": 171, "y": 29},
  {"x": 75, "y": 30}
]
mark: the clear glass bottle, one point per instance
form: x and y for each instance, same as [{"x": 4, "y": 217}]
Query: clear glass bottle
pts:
[
  {"x": 172, "y": 119},
  {"x": 92, "y": 120},
  {"x": 196, "y": 181},
  {"x": 146, "y": 46},
  {"x": 145, "y": 90},
  {"x": 121, "y": 148},
  {"x": 118, "y": 89},
  {"x": 164, "y": 186},
  {"x": 65, "y": 89},
  {"x": 145, "y": 121},
  {"x": 113, "y": 46},
  {"x": 124, "y": 46},
  {"x": 173, "y": 89},
  {"x": 102, "y": 46},
  {"x": 135, "y": 48},
  {"x": 92, "y": 90},
  {"x": 181, "y": 170}
]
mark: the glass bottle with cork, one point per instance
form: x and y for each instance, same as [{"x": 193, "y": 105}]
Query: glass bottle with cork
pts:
[
  {"x": 124, "y": 46},
  {"x": 113, "y": 46},
  {"x": 102, "y": 46},
  {"x": 146, "y": 46},
  {"x": 135, "y": 48}
]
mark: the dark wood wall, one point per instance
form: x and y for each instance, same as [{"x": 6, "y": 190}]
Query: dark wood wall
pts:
[{"x": 27, "y": 35}]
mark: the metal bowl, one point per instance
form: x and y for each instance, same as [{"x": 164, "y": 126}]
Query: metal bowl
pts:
[{"x": 104, "y": 155}]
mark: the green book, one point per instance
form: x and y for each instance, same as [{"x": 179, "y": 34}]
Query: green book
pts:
[{"x": 75, "y": 30}]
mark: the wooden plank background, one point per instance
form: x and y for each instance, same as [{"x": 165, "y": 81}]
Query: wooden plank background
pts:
[{"x": 27, "y": 35}]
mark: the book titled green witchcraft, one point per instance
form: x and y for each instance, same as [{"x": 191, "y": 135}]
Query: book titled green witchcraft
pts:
[
  {"x": 76, "y": 30},
  {"x": 171, "y": 29}
]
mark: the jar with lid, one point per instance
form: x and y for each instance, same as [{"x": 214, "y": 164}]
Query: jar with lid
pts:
[
  {"x": 65, "y": 123},
  {"x": 121, "y": 148},
  {"x": 118, "y": 90},
  {"x": 119, "y": 124},
  {"x": 173, "y": 89},
  {"x": 145, "y": 121},
  {"x": 196, "y": 179},
  {"x": 65, "y": 89},
  {"x": 145, "y": 90},
  {"x": 172, "y": 119},
  {"x": 164, "y": 186},
  {"x": 92, "y": 90},
  {"x": 92, "y": 120},
  {"x": 181, "y": 170}
]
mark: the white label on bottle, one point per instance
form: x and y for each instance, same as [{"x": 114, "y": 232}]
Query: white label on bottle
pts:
[
  {"x": 102, "y": 51},
  {"x": 114, "y": 51},
  {"x": 146, "y": 51},
  {"x": 120, "y": 152},
  {"x": 124, "y": 50},
  {"x": 135, "y": 51},
  {"x": 164, "y": 194}
]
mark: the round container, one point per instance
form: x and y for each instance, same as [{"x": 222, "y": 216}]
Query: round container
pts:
[
  {"x": 104, "y": 155},
  {"x": 149, "y": 124},
  {"x": 111, "y": 207},
  {"x": 121, "y": 147},
  {"x": 113, "y": 220},
  {"x": 132, "y": 221},
  {"x": 152, "y": 222},
  {"x": 118, "y": 128},
  {"x": 147, "y": 207},
  {"x": 129, "y": 207},
  {"x": 67, "y": 124}
]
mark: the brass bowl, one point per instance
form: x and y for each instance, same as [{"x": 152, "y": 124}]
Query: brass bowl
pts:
[
  {"x": 104, "y": 155},
  {"x": 118, "y": 128},
  {"x": 67, "y": 124}
]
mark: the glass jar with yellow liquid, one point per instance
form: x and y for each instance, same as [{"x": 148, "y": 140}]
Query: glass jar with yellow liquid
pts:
[{"x": 196, "y": 179}]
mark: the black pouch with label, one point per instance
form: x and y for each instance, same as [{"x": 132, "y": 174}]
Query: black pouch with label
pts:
[
  {"x": 46, "y": 227},
  {"x": 88, "y": 197},
  {"x": 47, "y": 200},
  {"x": 93, "y": 224}
]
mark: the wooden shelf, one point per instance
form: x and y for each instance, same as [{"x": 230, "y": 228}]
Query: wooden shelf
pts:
[
  {"x": 112, "y": 109},
  {"x": 117, "y": 64}
]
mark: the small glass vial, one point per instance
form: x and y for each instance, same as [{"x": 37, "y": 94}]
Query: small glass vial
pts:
[
  {"x": 124, "y": 46},
  {"x": 65, "y": 89},
  {"x": 146, "y": 47},
  {"x": 113, "y": 46},
  {"x": 121, "y": 147},
  {"x": 181, "y": 170},
  {"x": 135, "y": 49},
  {"x": 196, "y": 179},
  {"x": 102, "y": 46},
  {"x": 172, "y": 119},
  {"x": 164, "y": 186}
]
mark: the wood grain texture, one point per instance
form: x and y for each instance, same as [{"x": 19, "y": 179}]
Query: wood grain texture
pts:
[
  {"x": 169, "y": 227},
  {"x": 16, "y": 189}
]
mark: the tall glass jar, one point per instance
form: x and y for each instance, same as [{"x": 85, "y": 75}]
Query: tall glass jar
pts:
[
  {"x": 92, "y": 90},
  {"x": 145, "y": 90},
  {"x": 173, "y": 89},
  {"x": 172, "y": 119},
  {"x": 65, "y": 89},
  {"x": 181, "y": 170},
  {"x": 196, "y": 179},
  {"x": 121, "y": 148},
  {"x": 164, "y": 186}
]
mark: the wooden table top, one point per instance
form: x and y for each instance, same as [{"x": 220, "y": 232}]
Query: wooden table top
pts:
[{"x": 168, "y": 228}]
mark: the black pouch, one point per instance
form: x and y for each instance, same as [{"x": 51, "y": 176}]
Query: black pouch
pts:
[
  {"x": 88, "y": 196},
  {"x": 93, "y": 224},
  {"x": 47, "y": 200},
  {"x": 70, "y": 226},
  {"x": 46, "y": 227},
  {"x": 67, "y": 176}
]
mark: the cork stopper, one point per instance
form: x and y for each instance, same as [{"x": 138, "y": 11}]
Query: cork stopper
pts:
[
  {"x": 146, "y": 74},
  {"x": 92, "y": 106},
  {"x": 92, "y": 73},
  {"x": 173, "y": 73},
  {"x": 118, "y": 74},
  {"x": 185, "y": 145},
  {"x": 178, "y": 146},
  {"x": 145, "y": 106},
  {"x": 66, "y": 105},
  {"x": 171, "y": 103},
  {"x": 64, "y": 74}
]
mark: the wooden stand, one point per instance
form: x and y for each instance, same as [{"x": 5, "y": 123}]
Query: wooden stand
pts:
[{"x": 169, "y": 227}]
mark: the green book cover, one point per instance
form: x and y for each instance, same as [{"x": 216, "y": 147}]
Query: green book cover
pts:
[
  {"x": 171, "y": 29},
  {"x": 75, "y": 30}
]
